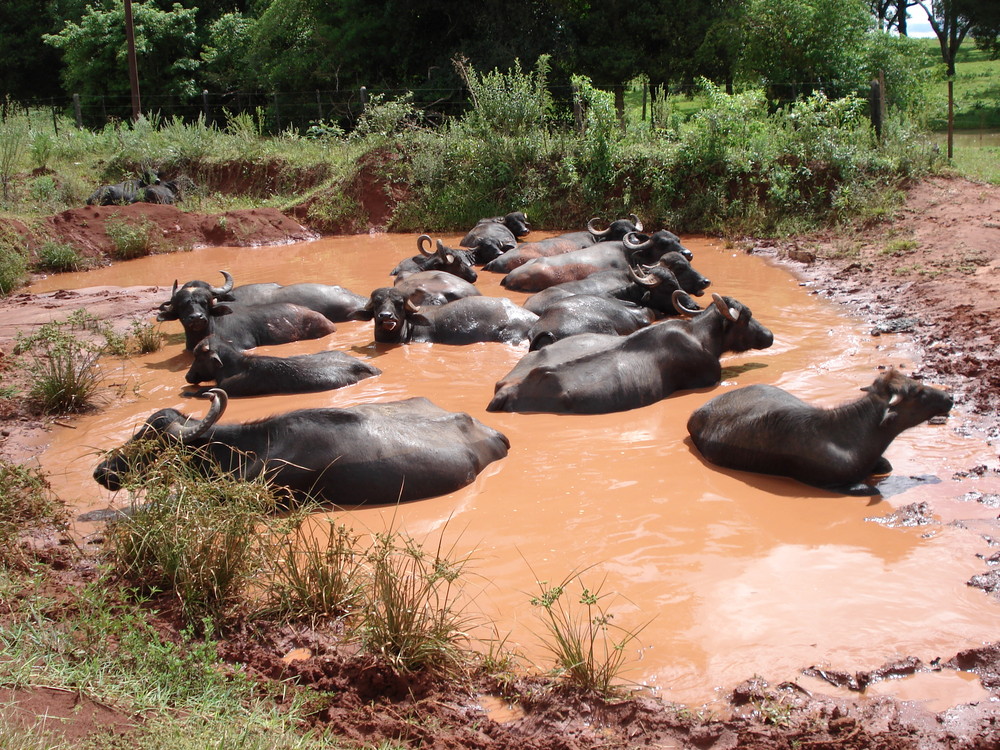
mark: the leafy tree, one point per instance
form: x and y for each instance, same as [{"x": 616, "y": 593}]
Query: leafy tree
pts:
[
  {"x": 26, "y": 62},
  {"x": 94, "y": 51},
  {"x": 797, "y": 46}
]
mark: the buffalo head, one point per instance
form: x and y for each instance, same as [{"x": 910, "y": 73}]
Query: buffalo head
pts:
[
  {"x": 166, "y": 424},
  {"x": 194, "y": 303}
]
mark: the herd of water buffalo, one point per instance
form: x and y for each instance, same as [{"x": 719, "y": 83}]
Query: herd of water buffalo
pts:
[
  {"x": 611, "y": 325},
  {"x": 146, "y": 189}
]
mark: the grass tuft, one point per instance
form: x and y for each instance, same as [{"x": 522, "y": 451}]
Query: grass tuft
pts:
[{"x": 589, "y": 648}]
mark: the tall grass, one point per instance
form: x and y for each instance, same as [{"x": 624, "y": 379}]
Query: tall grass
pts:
[{"x": 191, "y": 529}]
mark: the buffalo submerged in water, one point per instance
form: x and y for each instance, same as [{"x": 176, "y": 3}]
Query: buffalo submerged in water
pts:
[{"x": 371, "y": 453}]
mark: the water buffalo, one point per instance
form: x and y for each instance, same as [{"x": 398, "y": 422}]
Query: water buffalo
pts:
[
  {"x": 372, "y": 453},
  {"x": 457, "y": 262},
  {"x": 165, "y": 192},
  {"x": 764, "y": 429},
  {"x": 119, "y": 194},
  {"x": 541, "y": 273},
  {"x": 587, "y": 313},
  {"x": 434, "y": 287},
  {"x": 494, "y": 236},
  {"x": 470, "y": 320},
  {"x": 563, "y": 243},
  {"x": 196, "y": 305},
  {"x": 651, "y": 286},
  {"x": 399, "y": 319},
  {"x": 595, "y": 373},
  {"x": 241, "y": 374},
  {"x": 336, "y": 303}
]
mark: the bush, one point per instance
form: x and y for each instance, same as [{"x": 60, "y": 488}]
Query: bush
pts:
[{"x": 588, "y": 647}]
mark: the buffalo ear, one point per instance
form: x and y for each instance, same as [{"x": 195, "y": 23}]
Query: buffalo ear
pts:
[
  {"x": 166, "y": 314},
  {"x": 218, "y": 309}
]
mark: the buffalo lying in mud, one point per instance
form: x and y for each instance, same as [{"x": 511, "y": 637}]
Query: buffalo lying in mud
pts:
[
  {"x": 493, "y": 236},
  {"x": 242, "y": 374},
  {"x": 563, "y": 243},
  {"x": 457, "y": 262},
  {"x": 596, "y": 373},
  {"x": 764, "y": 429},
  {"x": 371, "y": 453}
]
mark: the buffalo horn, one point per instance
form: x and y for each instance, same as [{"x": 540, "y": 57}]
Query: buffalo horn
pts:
[
  {"x": 631, "y": 242},
  {"x": 636, "y": 222},
  {"x": 226, "y": 288},
  {"x": 169, "y": 304},
  {"x": 646, "y": 279},
  {"x": 420, "y": 244},
  {"x": 189, "y": 431},
  {"x": 410, "y": 307},
  {"x": 677, "y": 300},
  {"x": 443, "y": 251},
  {"x": 595, "y": 231},
  {"x": 727, "y": 312}
]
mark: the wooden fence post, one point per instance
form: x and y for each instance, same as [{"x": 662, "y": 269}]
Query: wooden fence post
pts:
[{"x": 77, "y": 112}]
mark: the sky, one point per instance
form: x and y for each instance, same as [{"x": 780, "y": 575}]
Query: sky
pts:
[{"x": 917, "y": 24}]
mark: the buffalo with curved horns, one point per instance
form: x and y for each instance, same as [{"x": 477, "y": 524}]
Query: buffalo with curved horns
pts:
[
  {"x": 764, "y": 429},
  {"x": 563, "y": 243},
  {"x": 449, "y": 260},
  {"x": 336, "y": 303},
  {"x": 371, "y": 453},
  {"x": 595, "y": 373},
  {"x": 198, "y": 308},
  {"x": 242, "y": 374},
  {"x": 495, "y": 235},
  {"x": 541, "y": 273}
]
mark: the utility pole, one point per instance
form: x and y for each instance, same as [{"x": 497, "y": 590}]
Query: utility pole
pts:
[{"x": 133, "y": 72}]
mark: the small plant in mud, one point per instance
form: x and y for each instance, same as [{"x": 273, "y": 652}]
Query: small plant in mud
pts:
[
  {"x": 147, "y": 336},
  {"x": 588, "y": 646},
  {"x": 26, "y": 502},
  {"x": 412, "y": 612},
  {"x": 130, "y": 238},
  {"x": 65, "y": 375},
  {"x": 192, "y": 528}
]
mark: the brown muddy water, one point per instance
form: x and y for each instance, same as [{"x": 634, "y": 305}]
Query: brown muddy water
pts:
[{"x": 731, "y": 574}]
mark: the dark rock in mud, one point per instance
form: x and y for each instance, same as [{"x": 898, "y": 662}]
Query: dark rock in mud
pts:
[
  {"x": 914, "y": 514},
  {"x": 861, "y": 680},
  {"x": 988, "y": 582}
]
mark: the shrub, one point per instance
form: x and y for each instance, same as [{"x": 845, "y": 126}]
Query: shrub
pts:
[
  {"x": 314, "y": 572},
  {"x": 412, "y": 612},
  {"x": 147, "y": 336},
  {"x": 65, "y": 375}
]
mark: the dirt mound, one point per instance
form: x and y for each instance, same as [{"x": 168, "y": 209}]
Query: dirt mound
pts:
[{"x": 169, "y": 228}]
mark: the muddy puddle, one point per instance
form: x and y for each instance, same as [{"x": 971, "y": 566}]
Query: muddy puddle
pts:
[{"x": 730, "y": 575}]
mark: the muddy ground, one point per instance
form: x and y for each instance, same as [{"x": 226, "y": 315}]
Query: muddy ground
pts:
[{"x": 931, "y": 272}]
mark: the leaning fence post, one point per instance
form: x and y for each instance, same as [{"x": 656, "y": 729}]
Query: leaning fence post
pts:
[
  {"x": 277, "y": 111},
  {"x": 876, "y": 102},
  {"x": 319, "y": 104},
  {"x": 55, "y": 120},
  {"x": 204, "y": 107},
  {"x": 76, "y": 111}
]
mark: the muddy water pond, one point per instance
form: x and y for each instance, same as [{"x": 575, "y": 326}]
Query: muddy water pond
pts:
[{"x": 728, "y": 574}]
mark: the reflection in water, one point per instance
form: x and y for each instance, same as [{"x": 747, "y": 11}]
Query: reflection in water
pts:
[{"x": 737, "y": 574}]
